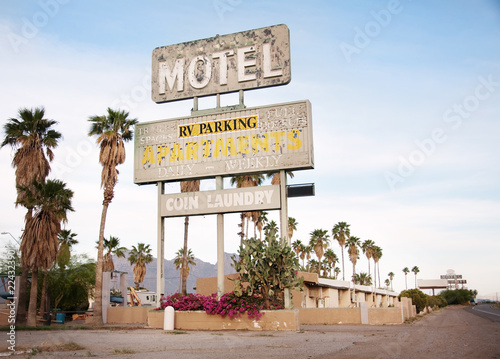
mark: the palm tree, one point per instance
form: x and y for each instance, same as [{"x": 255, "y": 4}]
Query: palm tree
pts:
[
  {"x": 406, "y": 271},
  {"x": 387, "y": 283},
  {"x": 112, "y": 131},
  {"x": 367, "y": 247},
  {"x": 276, "y": 180},
  {"x": 33, "y": 138},
  {"x": 341, "y": 232},
  {"x": 187, "y": 186},
  {"x": 271, "y": 229},
  {"x": 314, "y": 266},
  {"x": 377, "y": 254},
  {"x": 138, "y": 257},
  {"x": 292, "y": 226},
  {"x": 415, "y": 270},
  {"x": 297, "y": 246},
  {"x": 319, "y": 242},
  {"x": 336, "y": 270},
  {"x": 331, "y": 257},
  {"x": 179, "y": 263},
  {"x": 241, "y": 182},
  {"x": 307, "y": 253},
  {"x": 363, "y": 278},
  {"x": 49, "y": 201},
  {"x": 327, "y": 267},
  {"x": 112, "y": 245},
  {"x": 352, "y": 244},
  {"x": 66, "y": 241},
  {"x": 261, "y": 222},
  {"x": 391, "y": 277}
]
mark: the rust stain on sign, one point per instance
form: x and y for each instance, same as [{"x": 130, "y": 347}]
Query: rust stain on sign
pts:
[{"x": 244, "y": 60}]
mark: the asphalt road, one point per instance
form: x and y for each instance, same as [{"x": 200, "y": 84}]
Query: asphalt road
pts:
[{"x": 486, "y": 311}]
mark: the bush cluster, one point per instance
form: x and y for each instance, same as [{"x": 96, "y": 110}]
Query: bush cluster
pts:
[
  {"x": 434, "y": 301},
  {"x": 229, "y": 304}
]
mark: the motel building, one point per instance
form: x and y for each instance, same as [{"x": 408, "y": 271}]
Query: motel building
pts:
[{"x": 319, "y": 292}]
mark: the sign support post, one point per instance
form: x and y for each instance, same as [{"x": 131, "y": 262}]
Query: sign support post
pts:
[
  {"x": 160, "y": 257},
  {"x": 284, "y": 226},
  {"x": 219, "y": 184}
]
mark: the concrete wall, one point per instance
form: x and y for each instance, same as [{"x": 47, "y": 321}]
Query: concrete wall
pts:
[
  {"x": 271, "y": 320},
  {"x": 380, "y": 316},
  {"x": 123, "y": 315},
  {"x": 330, "y": 316}
]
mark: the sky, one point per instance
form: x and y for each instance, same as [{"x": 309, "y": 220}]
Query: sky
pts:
[{"x": 405, "y": 109}]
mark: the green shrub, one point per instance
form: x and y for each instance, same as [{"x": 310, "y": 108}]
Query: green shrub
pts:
[
  {"x": 458, "y": 296},
  {"x": 418, "y": 298},
  {"x": 436, "y": 301}
]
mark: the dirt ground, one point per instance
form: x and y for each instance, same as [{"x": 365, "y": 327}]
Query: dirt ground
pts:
[{"x": 449, "y": 333}]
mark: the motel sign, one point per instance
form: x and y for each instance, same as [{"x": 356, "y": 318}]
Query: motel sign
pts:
[{"x": 221, "y": 64}]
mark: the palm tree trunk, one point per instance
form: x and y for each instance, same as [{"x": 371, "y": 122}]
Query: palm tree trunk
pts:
[
  {"x": 353, "y": 283},
  {"x": 184, "y": 257},
  {"x": 242, "y": 233},
  {"x": 378, "y": 271},
  {"x": 98, "y": 271},
  {"x": 33, "y": 299},
  {"x": 21, "y": 297},
  {"x": 43, "y": 303},
  {"x": 343, "y": 275}
]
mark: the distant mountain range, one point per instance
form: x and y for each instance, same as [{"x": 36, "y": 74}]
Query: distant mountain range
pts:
[{"x": 200, "y": 270}]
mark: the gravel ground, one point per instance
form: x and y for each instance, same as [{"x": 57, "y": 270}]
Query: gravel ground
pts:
[{"x": 449, "y": 333}]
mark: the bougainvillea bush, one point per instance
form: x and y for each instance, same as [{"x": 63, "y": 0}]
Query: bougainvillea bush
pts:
[{"x": 229, "y": 304}]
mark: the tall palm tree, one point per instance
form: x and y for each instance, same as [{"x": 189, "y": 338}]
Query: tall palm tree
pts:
[
  {"x": 391, "y": 277},
  {"x": 138, "y": 257},
  {"x": 112, "y": 245},
  {"x": 341, "y": 232},
  {"x": 276, "y": 180},
  {"x": 319, "y": 242},
  {"x": 415, "y": 270},
  {"x": 307, "y": 253},
  {"x": 33, "y": 138},
  {"x": 112, "y": 131},
  {"x": 50, "y": 201},
  {"x": 261, "y": 222},
  {"x": 187, "y": 186},
  {"x": 292, "y": 226},
  {"x": 352, "y": 244},
  {"x": 242, "y": 182},
  {"x": 377, "y": 254},
  {"x": 179, "y": 263},
  {"x": 406, "y": 271},
  {"x": 331, "y": 257},
  {"x": 367, "y": 247}
]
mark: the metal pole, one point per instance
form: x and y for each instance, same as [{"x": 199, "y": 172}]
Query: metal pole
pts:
[
  {"x": 160, "y": 257},
  {"x": 219, "y": 184},
  {"x": 284, "y": 227},
  {"x": 14, "y": 238}
]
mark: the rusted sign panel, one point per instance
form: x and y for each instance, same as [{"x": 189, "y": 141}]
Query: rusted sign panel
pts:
[
  {"x": 244, "y": 60},
  {"x": 223, "y": 201},
  {"x": 260, "y": 139}
]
